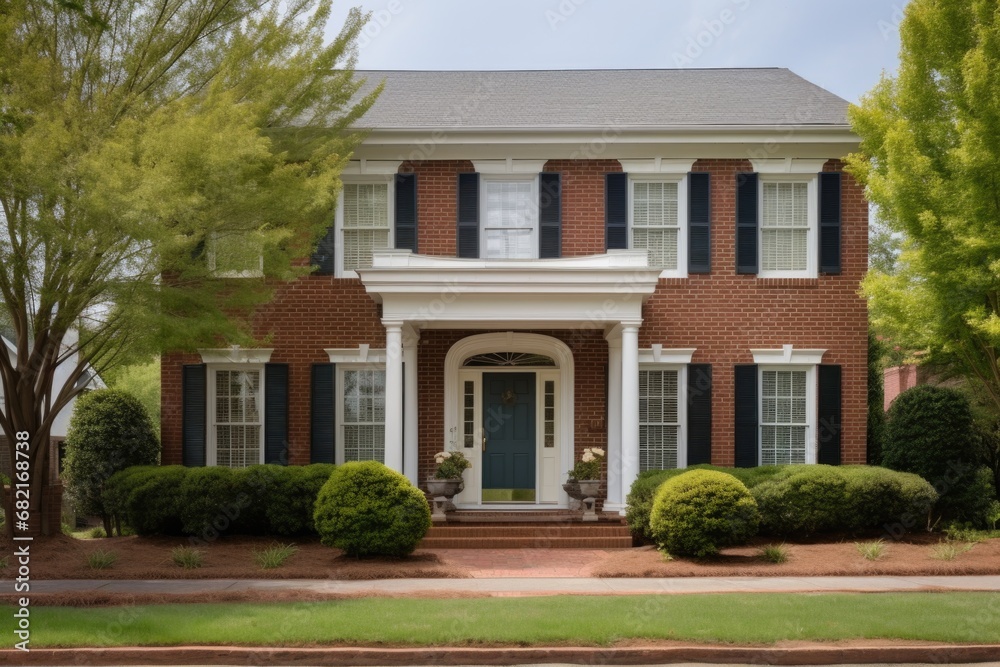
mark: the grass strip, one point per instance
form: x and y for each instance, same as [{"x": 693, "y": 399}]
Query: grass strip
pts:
[{"x": 576, "y": 620}]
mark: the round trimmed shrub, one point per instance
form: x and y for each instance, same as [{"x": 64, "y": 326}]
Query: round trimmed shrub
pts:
[
  {"x": 930, "y": 432},
  {"x": 108, "y": 432},
  {"x": 802, "y": 500},
  {"x": 699, "y": 511},
  {"x": 366, "y": 509}
]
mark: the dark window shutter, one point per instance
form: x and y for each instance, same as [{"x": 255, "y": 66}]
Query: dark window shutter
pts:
[
  {"x": 829, "y": 415},
  {"x": 746, "y": 402},
  {"x": 468, "y": 215},
  {"x": 699, "y": 414},
  {"x": 325, "y": 256},
  {"x": 616, "y": 212},
  {"x": 746, "y": 223},
  {"x": 549, "y": 216},
  {"x": 322, "y": 414},
  {"x": 194, "y": 413},
  {"x": 406, "y": 212},
  {"x": 276, "y": 413},
  {"x": 699, "y": 223},
  {"x": 829, "y": 222}
]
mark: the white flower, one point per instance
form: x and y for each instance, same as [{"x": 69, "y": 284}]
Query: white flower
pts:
[
  {"x": 597, "y": 451},
  {"x": 446, "y": 455},
  {"x": 587, "y": 456}
]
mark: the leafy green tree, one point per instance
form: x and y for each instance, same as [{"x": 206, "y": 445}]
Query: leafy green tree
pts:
[
  {"x": 110, "y": 430},
  {"x": 929, "y": 157},
  {"x": 143, "y": 145},
  {"x": 141, "y": 380},
  {"x": 876, "y": 399}
]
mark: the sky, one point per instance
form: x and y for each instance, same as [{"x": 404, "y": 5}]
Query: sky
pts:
[{"x": 841, "y": 45}]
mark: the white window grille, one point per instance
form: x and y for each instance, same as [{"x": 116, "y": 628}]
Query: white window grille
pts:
[
  {"x": 785, "y": 226},
  {"x": 659, "y": 419},
  {"x": 510, "y": 229},
  {"x": 363, "y": 415},
  {"x": 655, "y": 226},
  {"x": 238, "y": 418},
  {"x": 784, "y": 417},
  {"x": 366, "y": 224}
]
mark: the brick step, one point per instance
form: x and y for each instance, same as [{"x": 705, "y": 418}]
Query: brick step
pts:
[
  {"x": 544, "y": 531},
  {"x": 526, "y": 543},
  {"x": 521, "y": 518}
]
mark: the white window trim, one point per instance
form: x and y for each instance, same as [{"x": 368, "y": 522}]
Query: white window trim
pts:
[
  {"x": 381, "y": 179},
  {"x": 362, "y": 354},
  {"x": 811, "y": 407},
  {"x": 338, "y": 455},
  {"x": 681, "y": 179},
  {"x": 236, "y": 355},
  {"x": 211, "y": 451},
  {"x": 812, "y": 209},
  {"x": 213, "y": 240},
  {"x": 788, "y": 354},
  {"x": 485, "y": 178},
  {"x": 682, "y": 402}
]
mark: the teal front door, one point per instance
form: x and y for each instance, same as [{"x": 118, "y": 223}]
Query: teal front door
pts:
[{"x": 509, "y": 437}]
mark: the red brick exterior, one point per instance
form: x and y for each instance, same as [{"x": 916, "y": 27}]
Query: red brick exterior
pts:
[{"x": 722, "y": 314}]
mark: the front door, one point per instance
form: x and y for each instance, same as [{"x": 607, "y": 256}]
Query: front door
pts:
[{"x": 508, "y": 437}]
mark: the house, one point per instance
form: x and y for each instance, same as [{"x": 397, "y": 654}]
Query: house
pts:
[{"x": 662, "y": 263}]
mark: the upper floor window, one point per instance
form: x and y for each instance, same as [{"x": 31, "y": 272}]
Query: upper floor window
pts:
[
  {"x": 785, "y": 226},
  {"x": 510, "y": 218},
  {"x": 236, "y": 254},
  {"x": 365, "y": 220},
  {"x": 655, "y": 222}
]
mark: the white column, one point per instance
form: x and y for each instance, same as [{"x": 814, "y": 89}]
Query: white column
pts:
[
  {"x": 630, "y": 404},
  {"x": 410, "y": 422},
  {"x": 616, "y": 499},
  {"x": 394, "y": 395}
]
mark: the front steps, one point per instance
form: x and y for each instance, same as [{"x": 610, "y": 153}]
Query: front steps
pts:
[{"x": 526, "y": 530}]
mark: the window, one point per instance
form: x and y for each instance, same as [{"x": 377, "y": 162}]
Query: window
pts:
[
  {"x": 237, "y": 422},
  {"x": 362, "y": 415},
  {"x": 365, "y": 219},
  {"x": 236, "y": 254},
  {"x": 788, "y": 221},
  {"x": 655, "y": 225},
  {"x": 659, "y": 419},
  {"x": 510, "y": 215},
  {"x": 786, "y": 404}
]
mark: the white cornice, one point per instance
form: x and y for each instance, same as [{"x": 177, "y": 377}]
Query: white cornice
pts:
[
  {"x": 787, "y": 165},
  {"x": 657, "y": 165},
  {"x": 509, "y": 166},
  {"x": 371, "y": 167},
  {"x": 236, "y": 355},
  {"x": 358, "y": 355},
  {"x": 787, "y": 354},
  {"x": 658, "y": 354}
]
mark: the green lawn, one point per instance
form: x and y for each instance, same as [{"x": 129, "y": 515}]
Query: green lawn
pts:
[{"x": 581, "y": 620}]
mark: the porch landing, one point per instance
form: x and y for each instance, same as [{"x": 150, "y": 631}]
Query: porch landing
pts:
[{"x": 481, "y": 529}]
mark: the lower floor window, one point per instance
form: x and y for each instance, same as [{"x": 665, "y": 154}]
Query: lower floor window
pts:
[
  {"x": 784, "y": 421},
  {"x": 659, "y": 419},
  {"x": 363, "y": 415},
  {"x": 238, "y": 425}
]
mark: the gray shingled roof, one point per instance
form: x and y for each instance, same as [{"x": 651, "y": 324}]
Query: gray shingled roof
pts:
[{"x": 599, "y": 98}]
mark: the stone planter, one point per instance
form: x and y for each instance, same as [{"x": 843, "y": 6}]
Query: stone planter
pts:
[
  {"x": 586, "y": 491},
  {"x": 442, "y": 491}
]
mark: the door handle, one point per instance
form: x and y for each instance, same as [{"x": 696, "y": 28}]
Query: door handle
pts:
[{"x": 484, "y": 441}]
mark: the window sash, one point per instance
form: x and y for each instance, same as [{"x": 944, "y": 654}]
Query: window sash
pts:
[
  {"x": 655, "y": 221},
  {"x": 785, "y": 226},
  {"x": 510, "y": 219},
  {"x": 659, "y": 419},
  {"x": 784, "y": 416},
  {"x": 363, "y": 414},
  {"x": 366, "y": 224},
  {"x": 238, "y": 417}
]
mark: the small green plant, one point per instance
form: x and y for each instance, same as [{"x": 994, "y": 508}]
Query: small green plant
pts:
[
  {"x": 186, "y": 557},
  {"x": 96, "y": 533},
  {"x": 101, "y": 559},
  {"x": 274, "y": 555},
  {"x": 589, "y": 465},
  {"x": 774, "y": 553},
  {"x": 665, "y": 556},
  {"x": 871, "y": 550},
  {"x": 950, "y": 550},
  {"x": 993, "y": 515},
  {"x": 450, "y": 465},
  {"x": 965, "y": 533},
  {"x": 4, "y": 562}
]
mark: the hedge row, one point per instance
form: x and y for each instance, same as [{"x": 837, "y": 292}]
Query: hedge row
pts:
[
  {"x": 807, "y": 499},
  {"x": 207, "y": 502}
]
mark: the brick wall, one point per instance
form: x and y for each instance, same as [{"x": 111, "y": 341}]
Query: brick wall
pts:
[{"x": 721, "y": 314}]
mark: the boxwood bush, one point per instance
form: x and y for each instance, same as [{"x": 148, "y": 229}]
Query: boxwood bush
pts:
[
  {"x": 366, "y": 509},
  {"x": 207, "y": 502},
  {"x": 805, "y": 499},
  {"x": 699, "y": 511}
]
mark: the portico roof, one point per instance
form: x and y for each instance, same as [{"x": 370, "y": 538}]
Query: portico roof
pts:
[{"x": 444, "y": 292}]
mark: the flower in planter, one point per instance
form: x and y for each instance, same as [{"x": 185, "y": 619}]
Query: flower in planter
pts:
[
  {"x": 450, "y": 465},
  {"x": 589, "y": 465}
]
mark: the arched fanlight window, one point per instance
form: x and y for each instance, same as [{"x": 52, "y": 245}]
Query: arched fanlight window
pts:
[{"x": 509, "y": 359}]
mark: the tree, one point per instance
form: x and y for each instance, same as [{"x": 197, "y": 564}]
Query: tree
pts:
[
  {"x": 142, "y": 143},
  {"x": 141, "y": 381},
  {"x": 929, "y": 157},
  {"x": 110, "y": 430}
]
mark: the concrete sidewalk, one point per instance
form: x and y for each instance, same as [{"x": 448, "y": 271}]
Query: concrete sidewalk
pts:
[{"x": 532, "y": 586}]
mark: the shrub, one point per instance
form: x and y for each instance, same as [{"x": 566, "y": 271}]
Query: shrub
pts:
[
  {"x": 871, "y": 550},
  {"x": 101, "y": 559},
  {"x": 109, "y": 431},
  {"x": 699, "y": 511},
  {"x": 274, "y": 555},
  {"x": 186, "y": 557},
  {"x": 930, "y": 432},
  {"x": 211, "y": 501},
  {"x": 367, "y": 509},
  {"x": 774, "y": 553},
  {"x": 290, "y": 510},
  {"x": 147, "y": 498}
]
